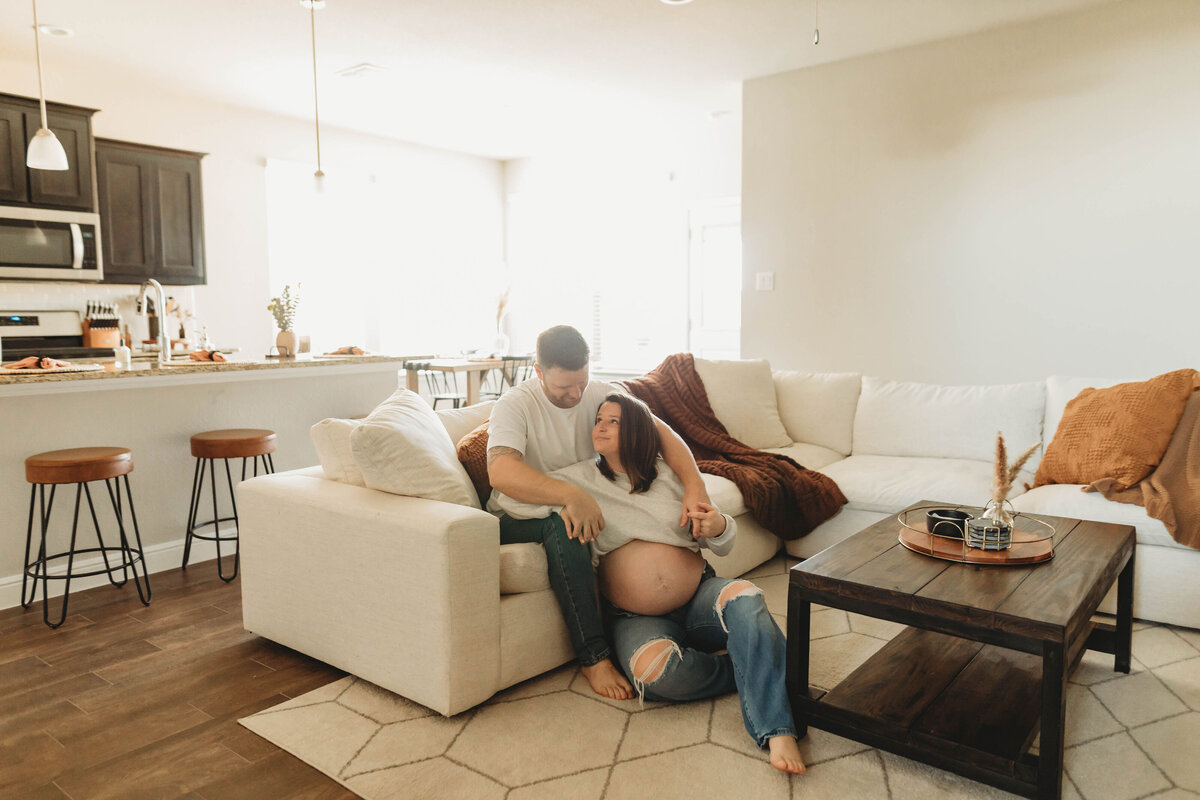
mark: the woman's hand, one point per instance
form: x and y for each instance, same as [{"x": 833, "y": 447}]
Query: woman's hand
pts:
[
  {"x": 695, "y": 499},
  {"x": 707, "y": 522},
  {"x": 582, "y": 517}
]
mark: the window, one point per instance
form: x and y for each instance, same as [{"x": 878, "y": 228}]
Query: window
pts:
[{"x": 405, "y": 264}]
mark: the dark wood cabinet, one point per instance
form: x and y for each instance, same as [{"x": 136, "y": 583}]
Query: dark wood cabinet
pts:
[
  {"x": 151, "y": 213},
  {"x": 14, "y": 186},
  {"x": 73, "y": 188}
]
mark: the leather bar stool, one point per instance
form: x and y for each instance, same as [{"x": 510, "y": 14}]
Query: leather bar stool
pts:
[
  {"x": 81, "y": 466},
  {"x": 253, "y": 444}
]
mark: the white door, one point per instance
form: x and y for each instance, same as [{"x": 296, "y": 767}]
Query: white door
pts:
[{"x": 715, "y": 280}]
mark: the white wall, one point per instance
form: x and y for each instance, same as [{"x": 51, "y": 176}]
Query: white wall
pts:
[
  {"x": 135, "y": 107},
  {"x": 997, "y": 207}
]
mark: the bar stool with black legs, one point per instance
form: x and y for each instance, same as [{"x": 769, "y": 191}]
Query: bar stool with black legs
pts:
[
  {"x": 248, "y": 444},
  {"x": 81, "y": 466}
]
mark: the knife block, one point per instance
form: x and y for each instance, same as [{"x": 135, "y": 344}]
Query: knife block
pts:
[{"x": 100, "y": 337}]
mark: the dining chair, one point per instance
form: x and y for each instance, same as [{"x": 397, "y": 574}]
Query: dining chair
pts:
[{"x": 441, "y": 385}]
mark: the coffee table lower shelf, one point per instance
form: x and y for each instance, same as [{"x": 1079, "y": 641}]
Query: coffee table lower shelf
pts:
[{"x": 960, "y": 705}]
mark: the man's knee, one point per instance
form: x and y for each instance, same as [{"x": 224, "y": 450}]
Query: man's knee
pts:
[
  {"x": 649, "y": 661},
  {"x": 735, "y": 590}
]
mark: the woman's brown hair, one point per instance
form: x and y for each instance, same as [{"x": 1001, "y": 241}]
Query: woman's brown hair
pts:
[{"x": 638, "y": 444}]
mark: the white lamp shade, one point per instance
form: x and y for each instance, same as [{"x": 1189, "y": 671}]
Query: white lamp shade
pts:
[{"x": 46, "y": 152}]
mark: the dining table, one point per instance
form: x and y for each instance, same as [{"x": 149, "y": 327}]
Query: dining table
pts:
[{"x": 475, "y": 368}]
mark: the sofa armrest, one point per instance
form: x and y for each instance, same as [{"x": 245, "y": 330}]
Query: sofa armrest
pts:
[{"x": 401, "y": 591}]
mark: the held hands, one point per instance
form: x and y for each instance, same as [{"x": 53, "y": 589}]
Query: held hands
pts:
[
  {"x": 707, "y": 522},
  {"x": 695, "y": 500},
  {"x": 582, "y": 517}
]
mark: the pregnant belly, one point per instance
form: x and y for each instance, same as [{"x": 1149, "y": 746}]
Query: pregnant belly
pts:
[{"x": 650, "y": 578}]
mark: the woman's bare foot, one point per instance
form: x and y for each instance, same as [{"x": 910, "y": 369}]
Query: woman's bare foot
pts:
[
  {"x": 785, "y": 755},
  {"x": 607, "y": 680}
]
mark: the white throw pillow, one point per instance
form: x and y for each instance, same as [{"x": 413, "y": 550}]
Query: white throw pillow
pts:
[
  {"x": 403, "y": 448},
  {"x": 331, "y": 438},
  {"x": 898, "y": 418},
  {"x": 742, "y": 395},
  {"x": 818, "y": 408},
  {"x": 461, "y": 421}
]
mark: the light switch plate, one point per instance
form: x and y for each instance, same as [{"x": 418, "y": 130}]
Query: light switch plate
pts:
[{"x": 764, "y": 281}]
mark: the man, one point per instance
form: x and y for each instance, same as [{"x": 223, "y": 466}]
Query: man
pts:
[{"x": 543, "y": 425}]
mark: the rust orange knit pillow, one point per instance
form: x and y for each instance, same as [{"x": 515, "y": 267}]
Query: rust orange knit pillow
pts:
[
  {"x": 472, "y": 452},
  {"x": 1120, "y": 432}
]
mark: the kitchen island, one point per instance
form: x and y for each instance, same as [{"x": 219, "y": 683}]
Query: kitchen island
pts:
[{"x": 154, "y": 411}]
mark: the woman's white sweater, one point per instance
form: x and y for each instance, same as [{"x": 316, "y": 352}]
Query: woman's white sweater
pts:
[{"x": 651, "y": 516}]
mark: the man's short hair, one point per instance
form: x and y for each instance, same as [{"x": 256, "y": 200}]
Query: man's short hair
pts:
[{"x": 562, "y": 346}]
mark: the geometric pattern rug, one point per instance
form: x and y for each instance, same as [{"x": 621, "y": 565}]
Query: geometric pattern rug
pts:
[{"x": 551, "y": 738}]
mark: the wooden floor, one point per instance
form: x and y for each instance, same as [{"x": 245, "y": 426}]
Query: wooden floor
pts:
[{"x": 129, "y": 701}]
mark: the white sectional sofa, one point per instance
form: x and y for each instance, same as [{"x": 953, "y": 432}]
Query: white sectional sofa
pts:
[{"x": 418, "y": 596}]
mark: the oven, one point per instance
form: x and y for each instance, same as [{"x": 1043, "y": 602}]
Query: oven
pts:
[{"x": 43, "y": 244}]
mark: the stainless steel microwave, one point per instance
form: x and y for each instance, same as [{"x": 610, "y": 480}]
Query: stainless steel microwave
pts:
[{"x": 47, "y": 245}]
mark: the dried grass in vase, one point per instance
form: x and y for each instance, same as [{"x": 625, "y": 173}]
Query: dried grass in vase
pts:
[{"x": 1006, "y": 473}]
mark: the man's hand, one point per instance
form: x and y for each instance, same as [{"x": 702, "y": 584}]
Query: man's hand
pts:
[
  {"x": 582, "y": 517},
  {"x": 694, "y": 500},
  {"x": 707, "y": 522}
]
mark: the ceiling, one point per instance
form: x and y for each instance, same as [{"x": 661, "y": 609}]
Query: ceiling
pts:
[{"x": 500, "y": 78}]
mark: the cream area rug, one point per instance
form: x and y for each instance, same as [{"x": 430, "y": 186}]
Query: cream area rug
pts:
[{"x": 1128, "y": 736}]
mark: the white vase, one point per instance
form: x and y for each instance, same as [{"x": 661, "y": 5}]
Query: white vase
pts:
[{"x": 500, "y": 344}]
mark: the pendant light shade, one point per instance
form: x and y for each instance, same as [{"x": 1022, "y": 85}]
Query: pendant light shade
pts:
[{"x": 45, "y": 151}]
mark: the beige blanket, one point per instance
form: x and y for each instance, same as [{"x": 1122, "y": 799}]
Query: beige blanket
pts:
[{"x": 1171, "y": 493}]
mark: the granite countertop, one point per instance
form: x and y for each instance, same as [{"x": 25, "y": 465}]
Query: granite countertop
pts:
[{"x": 151, "y": 369}]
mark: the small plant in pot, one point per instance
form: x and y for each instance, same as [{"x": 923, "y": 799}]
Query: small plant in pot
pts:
[{"x": 283, "y": 308}]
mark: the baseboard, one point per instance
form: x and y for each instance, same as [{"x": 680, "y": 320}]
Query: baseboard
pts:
[{"x": 159, "y": 558}]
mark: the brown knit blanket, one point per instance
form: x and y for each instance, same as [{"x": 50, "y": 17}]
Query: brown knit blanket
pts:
[
  {"x": 1171, "y": 493},
  {"x": 783, "y": 496}
]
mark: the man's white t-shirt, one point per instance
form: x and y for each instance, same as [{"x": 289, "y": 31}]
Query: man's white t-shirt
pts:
[{"x": 547, "y": 437}]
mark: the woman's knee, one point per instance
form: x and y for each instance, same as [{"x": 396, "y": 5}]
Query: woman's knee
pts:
[
  {"x": 650, "y": 661},
  {"x": 735, "y": 590},
  {"x": 739, "y": 598}
]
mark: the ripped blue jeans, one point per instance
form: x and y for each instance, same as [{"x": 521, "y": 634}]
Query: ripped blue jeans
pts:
[{"x": 689, "y": 666}]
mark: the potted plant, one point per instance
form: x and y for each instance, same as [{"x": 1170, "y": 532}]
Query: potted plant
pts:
[{"x": 283, "y": 308}]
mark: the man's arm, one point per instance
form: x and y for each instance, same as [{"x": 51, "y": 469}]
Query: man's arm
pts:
[
  {"x": 510, "y": 475},
  {"x": 679, "y": 459}
]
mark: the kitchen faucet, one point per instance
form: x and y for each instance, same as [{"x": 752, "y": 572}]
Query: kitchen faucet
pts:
[{"x": 160, "y": 308}]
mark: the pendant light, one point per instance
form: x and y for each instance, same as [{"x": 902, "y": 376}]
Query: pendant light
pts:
[
  {"x": 816, "y": 21},
  {"x": 312, "y": 6},
  {"x": 45, "y": 151}
]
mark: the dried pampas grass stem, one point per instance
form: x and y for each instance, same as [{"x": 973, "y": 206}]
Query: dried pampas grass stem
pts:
[{"x": 1005, "y": 473}]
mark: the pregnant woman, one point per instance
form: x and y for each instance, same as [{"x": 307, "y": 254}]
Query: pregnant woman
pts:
[{"x": 669, "y": 612}]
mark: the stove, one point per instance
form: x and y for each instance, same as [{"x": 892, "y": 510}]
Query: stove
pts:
[{"x": 49, "y": 334}]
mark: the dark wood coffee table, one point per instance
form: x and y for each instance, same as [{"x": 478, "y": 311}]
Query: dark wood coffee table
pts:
[{"x": 983, "y": 667}]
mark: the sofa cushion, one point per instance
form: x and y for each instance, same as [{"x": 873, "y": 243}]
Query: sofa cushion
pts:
[
  {"x": 523, "y": 568},
  {"x": 898, "y": 418},
  {"x": 812, "y": 456},
  {"x": 1120, "y": 432},
  {"x": 461, "y": 421},
  {"x": 331, "y": 439},
  {"x": 889, "y": 483},
  {"x": 1069, "y": 500},
  {"x": 818, "y": 408},
  {"x": 403, "y": 448},
  {"x": 742, "y": 395},
  {"x": 724, "y": 494}
]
